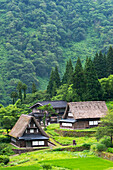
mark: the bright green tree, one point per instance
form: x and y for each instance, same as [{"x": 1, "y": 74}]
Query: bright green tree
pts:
[
  {"x": 14, "y": 96},
  {"x": 47, "y": 109},
  {"x": 106, "y": 127},
  {"x": 9, "y": 115}
]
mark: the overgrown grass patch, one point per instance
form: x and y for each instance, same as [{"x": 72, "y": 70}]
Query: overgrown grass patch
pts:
[{"x": 79, "y": 140}]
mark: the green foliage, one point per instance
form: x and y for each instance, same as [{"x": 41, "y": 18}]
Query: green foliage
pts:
[
  {"x": 39, "y": 35},
  {"x": 4, "y": 159},
  {"x": 98, "y": 147},
  {"x": 106, "y": 141},
  {"x": 93, "y": 86},
  {"x": 110, "y": 150},
  {"x": 6, "y": 149},
  {"x": 46, "y": 166},
  {"x": 9, "y": 115},
  {"x": 106, "y": 127}
]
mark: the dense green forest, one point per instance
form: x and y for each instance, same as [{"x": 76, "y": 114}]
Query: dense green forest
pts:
[{"x": 36, "y": 35}]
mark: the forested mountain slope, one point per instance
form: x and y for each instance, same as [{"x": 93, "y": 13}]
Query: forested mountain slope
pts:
[{"x": 36, "y": 35}]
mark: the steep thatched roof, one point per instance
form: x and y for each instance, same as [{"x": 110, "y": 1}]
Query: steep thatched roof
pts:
[
  {"x": 84, "y": 110},
  {"x": 54, "y": 104},
  {"x": 21, "y": 125}
]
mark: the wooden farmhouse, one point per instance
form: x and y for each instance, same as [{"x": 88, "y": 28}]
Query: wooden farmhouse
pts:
[
  {"x": 81, "y": 115},
  {"x": 59, "y": 107},
  {"x": 28, "y": 133}
]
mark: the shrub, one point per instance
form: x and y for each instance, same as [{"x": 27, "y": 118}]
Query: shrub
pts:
[
  {"x": 5, "y": 149},
  {"x": 4, "y": 139},
  {"x": 46, "y": 166},
  {"x": 98, "y": 147},
  {"x": 57, "y": 149},
  {"x": 106, "y": 141},
  {"x": 110, "y": 150},
  {"x": 86, "y": 145},
  {"x": 4, "y": 159}
]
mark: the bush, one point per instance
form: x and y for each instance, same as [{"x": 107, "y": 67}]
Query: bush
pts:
[
  {"x": 98, "y": 147},
  {"x": 6, "y": 149},
  {"x": 86, "y": 145},
  {"x": 4, "y": 159},
  {"x": 110, "y": 150},
  {"x": 106, "y": 141},
  {"x": 4, "y": 139},
  {"x": 46, "y": 166}
]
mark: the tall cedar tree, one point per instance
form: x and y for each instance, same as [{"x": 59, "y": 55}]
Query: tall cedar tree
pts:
[
  {"x": 93, "y": 86},
  {"x": 54, "y": 82},
  {"x": 110, "y": 61},
  {"x": 100, "y": 65},
  {"x": 34, "y": 88},
  {"x": 79, "y": 80},
  {"x": 50, "y": 84},
  {"x": 68, "y": 75},
  {"x": 56, "y": 77}
]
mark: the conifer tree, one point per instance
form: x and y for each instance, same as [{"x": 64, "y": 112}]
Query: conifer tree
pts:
[
  {"x": 93, "y": 86},
  {"x": 34, "y": 88},
  {"x": 19, "y": 88},
  {"x": 100, "y": 65},
  {"x": 79, "y": 80},
  {"x": 24, "y": 88},
  {"x": 68, "y": 75},
  {"x": 56, "y": 77},
  {"x": 110, "y": 61},
  {"x": 51, "y": 83}
]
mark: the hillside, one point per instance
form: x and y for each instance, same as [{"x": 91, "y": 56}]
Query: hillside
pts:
[{"x": 36, "y": 35}]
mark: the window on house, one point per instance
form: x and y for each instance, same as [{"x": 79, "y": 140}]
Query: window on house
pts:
[
  {"x": 34, "y": 125},
  {"x": 35, "y": 143},
  {"x": 37, "y": 130},
  {"x": 93, "y": 123},
  {"x": 67, "y": 124},
  {"x": 31, "y": 130},
  {"x": 41, "y": 142},
  {"x": 26, "y": 130}
]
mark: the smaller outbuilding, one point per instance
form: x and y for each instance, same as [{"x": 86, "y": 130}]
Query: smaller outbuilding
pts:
[
  {"x": 27, "y": 132},
  {"x": 81, "y": 115}
]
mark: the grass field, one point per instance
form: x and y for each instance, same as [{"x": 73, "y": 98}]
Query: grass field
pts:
[
  {"x": 84, "y": 163},
  {"x": 91, "y": 163}
]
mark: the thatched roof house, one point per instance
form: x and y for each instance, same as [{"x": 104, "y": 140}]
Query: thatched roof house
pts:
[
  {"x": 27, "y": 132},
  {"x": 83, "y": 114},
  {"x": 59, "y": 107}
]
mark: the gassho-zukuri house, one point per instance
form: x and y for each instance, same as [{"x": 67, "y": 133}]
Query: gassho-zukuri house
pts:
[
  {"x": 27, "y": 132},
  {"x": 81, "y": 115},
  {"x": 59, "y": 107}
]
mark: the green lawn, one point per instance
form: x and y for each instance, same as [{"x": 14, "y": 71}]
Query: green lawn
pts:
[{"x": 91, "y": 163}]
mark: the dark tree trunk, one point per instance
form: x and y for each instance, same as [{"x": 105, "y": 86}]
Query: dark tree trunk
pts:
[{"x": 111, "y": 139}]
